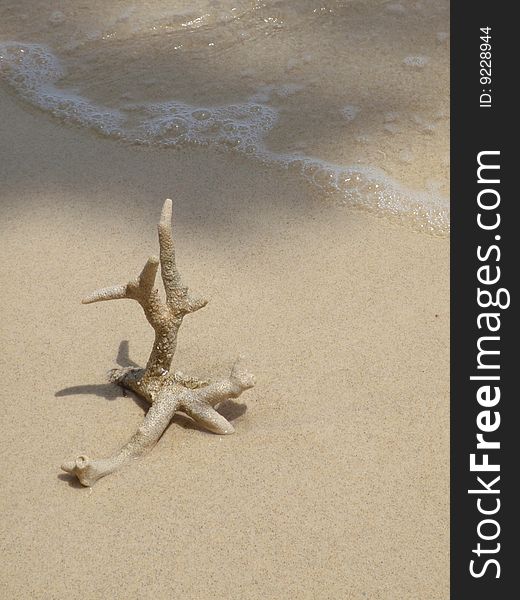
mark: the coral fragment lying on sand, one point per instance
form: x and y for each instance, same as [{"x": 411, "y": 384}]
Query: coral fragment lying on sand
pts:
[{"x": 166, "y": 392}]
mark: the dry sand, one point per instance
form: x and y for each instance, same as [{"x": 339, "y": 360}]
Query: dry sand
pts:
[{"x": 335, "y": 485}]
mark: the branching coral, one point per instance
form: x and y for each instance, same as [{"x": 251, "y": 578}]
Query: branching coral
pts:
[{"x": 167, "y": 392}]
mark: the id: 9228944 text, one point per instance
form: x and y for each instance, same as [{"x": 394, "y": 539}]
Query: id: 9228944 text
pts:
[{"x": 485, "y": 67}]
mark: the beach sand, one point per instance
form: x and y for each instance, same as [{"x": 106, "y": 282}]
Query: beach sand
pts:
[{"x": 335, "y": 484}]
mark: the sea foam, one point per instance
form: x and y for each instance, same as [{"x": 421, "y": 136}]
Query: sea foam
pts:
[{"x": 35, "y": 73}]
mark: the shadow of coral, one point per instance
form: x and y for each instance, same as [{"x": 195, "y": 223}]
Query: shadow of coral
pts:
[
  {"x": 72, "y": 480},
  {"x": 111, "y": 391}
]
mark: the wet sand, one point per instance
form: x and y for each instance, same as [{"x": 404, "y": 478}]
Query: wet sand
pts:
[{"x": 352, "y": 95}]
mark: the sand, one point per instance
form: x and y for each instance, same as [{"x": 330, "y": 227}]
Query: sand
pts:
[{"x": 335, "y": 484}]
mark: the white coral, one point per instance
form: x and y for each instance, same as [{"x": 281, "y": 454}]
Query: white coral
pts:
[{"x": 167, "y": 393}]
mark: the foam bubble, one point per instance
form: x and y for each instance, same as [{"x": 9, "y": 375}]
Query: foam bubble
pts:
[
  {"x": 370, "y": 188},
  {"x": 392, "y": 128},
  {"x": 350, "y": 112},
  {"x": 34, "y": 71},
  {"x": 267, "y": 92},
  {"x": 390, "y": 117},
  {"x": 57, "y": 18},
  {"x": 442, "y": 37},
  {"x": 424, "y": 126},
  {"x": 416, "y": 62},
  {"x": 395, "y": 9},
  {"x": 237, "y": 125}
]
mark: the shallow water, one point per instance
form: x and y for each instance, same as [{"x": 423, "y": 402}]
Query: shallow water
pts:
[{"x": 351, "y": 95}]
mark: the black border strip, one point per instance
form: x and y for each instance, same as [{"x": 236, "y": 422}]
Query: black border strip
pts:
[{"x": 475, "y": 129}]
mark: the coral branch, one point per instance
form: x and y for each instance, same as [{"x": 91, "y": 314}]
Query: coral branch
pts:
[
  {"x": 170, "y": 275},
  {"x": 166, "y": 392},
  {"x": 155, "y": 422},
  {"x": 140, "y": 289},
  {"x": 110, "y": 293},
  {"x": 146, "y": 279},
  {"x": 177, "y": 296},
  {"x": 209, "y": 418}
]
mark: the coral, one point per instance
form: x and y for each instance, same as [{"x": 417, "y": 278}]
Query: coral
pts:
[{"x": 166, "y": 392}]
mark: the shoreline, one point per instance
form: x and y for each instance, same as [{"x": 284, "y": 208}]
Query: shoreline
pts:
[{"x": 369, "y": 187}]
